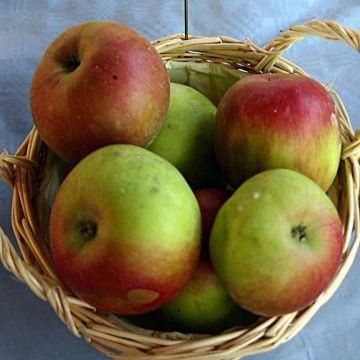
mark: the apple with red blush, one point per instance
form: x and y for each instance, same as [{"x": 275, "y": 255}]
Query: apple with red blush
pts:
[
  {"x": 276, "y": 243},
  {"x": 268, "y": 121},
  {"x": 98, "y": 83},
  {"x": 125, "y": 230}
]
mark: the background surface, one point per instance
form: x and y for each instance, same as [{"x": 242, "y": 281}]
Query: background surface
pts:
[{"x": 28, "y": 327}]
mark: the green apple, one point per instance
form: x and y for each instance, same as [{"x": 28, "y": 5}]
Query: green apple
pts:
[
  {"x": 186, "y": 138},
  {"x": 276, "y": 243},
  {"x": 125, "y": 230},
  {"x": 203, "y": 306}
]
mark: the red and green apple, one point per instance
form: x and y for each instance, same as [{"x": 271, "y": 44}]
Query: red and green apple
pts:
[
  {"x": 98, "y": 83},
  {"x": 276, "y": 243},
  {"x": 268, "y": 121},
  {"x": 125, "y": 230}
]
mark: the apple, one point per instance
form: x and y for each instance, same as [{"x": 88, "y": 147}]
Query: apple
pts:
[
  {"x": 98, "y": 83},
  {"x": 203, "y": 306},
  {"x": 187, "y": 137},
  {"x": 268, "y": 121},
  {"x": 125, "y": 230},
  {"x": 276, "y": 243},
  {"x": 210, "y": 200}
]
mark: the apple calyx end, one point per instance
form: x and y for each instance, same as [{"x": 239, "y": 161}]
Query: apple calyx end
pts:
[
  {"x": 87, "y": 229},
  {"x": 299, "y": 233}
]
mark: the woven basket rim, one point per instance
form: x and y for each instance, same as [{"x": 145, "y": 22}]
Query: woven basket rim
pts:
[{"x": 34, "y": 267}]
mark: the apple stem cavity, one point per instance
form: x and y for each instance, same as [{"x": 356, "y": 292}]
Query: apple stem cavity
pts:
[
  {"x": 87, "y": 229},
  {"x": 299, "y": 233},
  {"x": 73, "y": 63}
]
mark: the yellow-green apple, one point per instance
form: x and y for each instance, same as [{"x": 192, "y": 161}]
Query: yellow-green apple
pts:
[
  {"x": 186, "y": 138},
  {"x": 267, "y": 121},
  {"x": 204, "y": 305},
  {"x": 125, "y": 230},
  {"x": 210, "y": 200},
  {"x": 277, "y": 242},
  {"x": 98, "y": 83}
]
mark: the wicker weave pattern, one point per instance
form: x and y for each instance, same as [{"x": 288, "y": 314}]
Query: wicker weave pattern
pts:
[{"x": 24, "y": 172}]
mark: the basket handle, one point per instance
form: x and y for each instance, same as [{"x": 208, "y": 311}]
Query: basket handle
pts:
[{"x": 326, "y": 29}]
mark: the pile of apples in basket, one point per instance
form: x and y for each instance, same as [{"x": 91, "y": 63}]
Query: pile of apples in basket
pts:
[{"x": 201, "y": 217}]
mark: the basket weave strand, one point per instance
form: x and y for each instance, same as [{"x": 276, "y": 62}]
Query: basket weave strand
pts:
[{"x": 24, "y": 172}]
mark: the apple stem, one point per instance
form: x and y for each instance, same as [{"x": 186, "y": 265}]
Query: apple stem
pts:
[{"x": 299, "y": 233}]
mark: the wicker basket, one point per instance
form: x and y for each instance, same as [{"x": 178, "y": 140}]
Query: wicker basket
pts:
[{"x": 25, "y": 170}]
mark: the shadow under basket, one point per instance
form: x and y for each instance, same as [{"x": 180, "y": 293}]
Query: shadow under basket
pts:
[{"x": 218, "y": 61}]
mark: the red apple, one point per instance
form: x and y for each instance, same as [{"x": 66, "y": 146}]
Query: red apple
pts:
[
  {"x": 276, "y": 243},
  {"x": 210, "y": 200},
  {"x": 125, "y": 230},
  {"x": 268, "y": 121},
  {"x": 98, "y": 83}
]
